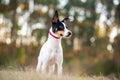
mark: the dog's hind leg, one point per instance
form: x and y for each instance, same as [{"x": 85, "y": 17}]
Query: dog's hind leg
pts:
[
  {"x": 51, "y": 69},
  {"x": 44, "y": 67},
  {"x": 38, "y": 66}
]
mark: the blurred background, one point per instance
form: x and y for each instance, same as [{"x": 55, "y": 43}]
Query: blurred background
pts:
[{"x": 93, "y": 49}]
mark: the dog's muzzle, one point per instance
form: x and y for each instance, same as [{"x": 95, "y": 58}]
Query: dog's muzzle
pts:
[{"x": 69, "y": 34}]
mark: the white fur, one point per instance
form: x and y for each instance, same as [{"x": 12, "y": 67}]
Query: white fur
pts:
[
  {"x": 51, "y": 53},
  {"x": 66, "y": 31}
]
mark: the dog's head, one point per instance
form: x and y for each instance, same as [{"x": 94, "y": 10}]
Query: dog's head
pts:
[{"x": 60, "y": 28}]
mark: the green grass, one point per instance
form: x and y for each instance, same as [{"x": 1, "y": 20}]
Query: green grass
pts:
[{"x": 31, "y": 74}]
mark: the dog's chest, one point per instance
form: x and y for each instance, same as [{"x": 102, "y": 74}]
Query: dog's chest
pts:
[
  {"x": 55, "y": 52},
  {"x": 54, "y": 55}
]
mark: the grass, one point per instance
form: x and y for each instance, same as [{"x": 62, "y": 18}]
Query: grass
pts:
[{"x": 31, "y": 74}]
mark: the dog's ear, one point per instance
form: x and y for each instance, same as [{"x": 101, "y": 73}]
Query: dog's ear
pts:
[
  {"x": 65, "y": 19},
  {"x": 55, "y": 18}
]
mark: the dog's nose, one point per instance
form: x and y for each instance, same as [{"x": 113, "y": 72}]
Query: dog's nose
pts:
[{"x": 69, "y": 33}]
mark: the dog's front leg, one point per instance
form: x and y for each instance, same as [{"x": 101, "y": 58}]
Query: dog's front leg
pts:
[{"x": 59, "y": 69}]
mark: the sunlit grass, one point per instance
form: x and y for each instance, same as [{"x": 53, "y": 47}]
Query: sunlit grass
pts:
[{"x": 31, "y": 74}]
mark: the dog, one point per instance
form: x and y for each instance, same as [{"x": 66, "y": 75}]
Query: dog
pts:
[{"x": 51, "y": 53}]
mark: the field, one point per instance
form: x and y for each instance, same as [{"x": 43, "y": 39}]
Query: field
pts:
[{"x": 31, "y": 74}]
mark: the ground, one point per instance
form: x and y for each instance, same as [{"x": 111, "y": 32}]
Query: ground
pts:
[{"x": 31, "y": 74}]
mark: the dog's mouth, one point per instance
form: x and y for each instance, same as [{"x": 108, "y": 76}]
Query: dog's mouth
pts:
[{"x": 61, "y": 34}]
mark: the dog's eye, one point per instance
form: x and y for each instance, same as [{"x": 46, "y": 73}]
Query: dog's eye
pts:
[{"x": 60, "y": 26}]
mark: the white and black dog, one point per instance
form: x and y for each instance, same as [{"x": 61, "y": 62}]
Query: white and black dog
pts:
[{"x": 51, "y": 52}]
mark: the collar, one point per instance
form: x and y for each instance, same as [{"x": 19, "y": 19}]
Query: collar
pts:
[{"x": 54, "y": 36}]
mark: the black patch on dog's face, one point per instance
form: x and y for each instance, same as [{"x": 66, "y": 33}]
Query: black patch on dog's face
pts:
[
  {"x": 57, "y": 27},
  {"x": 56, "y": 24}
]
